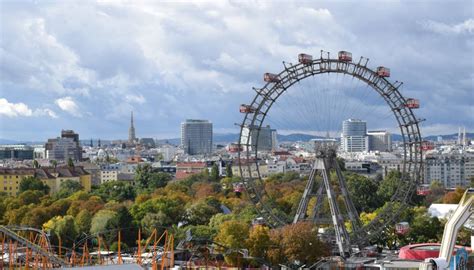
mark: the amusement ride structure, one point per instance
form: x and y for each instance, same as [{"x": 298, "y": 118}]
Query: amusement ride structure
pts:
[{"x": 280, "y": 84}]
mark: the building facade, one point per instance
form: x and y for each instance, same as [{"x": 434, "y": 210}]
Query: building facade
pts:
[
  {"x": 380, "y": 140},
  {"x": 196, "y": 137},
  {"x": 65, "y": 147},
  {"x": 266, "y": 141},
  {"x": 10, "y": 178},
  {"x": 450, "y": 169},
  {"x": 17, "y": 152},
  {"x": 354, "y": 136}
]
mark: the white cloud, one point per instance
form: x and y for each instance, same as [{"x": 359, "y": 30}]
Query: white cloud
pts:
[
  {"x": 68, "y": 105},
  {"x": 14, "y": 109},
  {"x": 21, "y": 109},
  {"x": 466, "y": 27},
  {"x": 139, "y": 99}
]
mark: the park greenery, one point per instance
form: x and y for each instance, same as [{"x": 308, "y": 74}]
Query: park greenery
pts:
[{"x": 201, "y": 203}]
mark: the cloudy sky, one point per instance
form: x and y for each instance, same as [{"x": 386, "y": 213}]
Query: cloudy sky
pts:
[{"x": 85, "y": 65}]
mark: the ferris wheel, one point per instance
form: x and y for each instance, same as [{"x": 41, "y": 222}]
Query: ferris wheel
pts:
[{"x": 291, "y": 94}]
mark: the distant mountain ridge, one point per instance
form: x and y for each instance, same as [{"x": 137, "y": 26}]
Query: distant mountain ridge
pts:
[{"x": 234, "y": 137}]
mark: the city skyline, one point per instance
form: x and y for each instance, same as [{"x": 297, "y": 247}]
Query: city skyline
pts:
[{"x": 86, "y": 66}]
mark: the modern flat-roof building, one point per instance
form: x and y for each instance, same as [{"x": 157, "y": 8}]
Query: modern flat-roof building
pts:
[
  {"x": 266, "y": 141},
  {"x": 17, "y": 151},
  {"x": 380, "y": 140},
  {"x": 196, "y": 137},
  {"x": 354, "y": 136},
  {"x": 65, "y": 147}
]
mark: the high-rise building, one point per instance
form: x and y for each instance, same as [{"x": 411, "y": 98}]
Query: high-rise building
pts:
[
  {"x": 65, "y": 147},
  {"x": 196, "y": 137},
  {"x": 267, "y": 138},
  {"x": 131, "y": 131},
  {"x": 380, "y": 140},
  {"x": 18, "y": 152},
  {"x": 354, "y": 136}
]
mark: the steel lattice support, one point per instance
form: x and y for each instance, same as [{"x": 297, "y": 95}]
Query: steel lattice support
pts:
[{"x": 264, "y": 99}]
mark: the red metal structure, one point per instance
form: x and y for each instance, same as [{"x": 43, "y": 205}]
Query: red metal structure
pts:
[
  {"x": 412, "y": 103},
  {"x": 383, "y": 72},
  {"x": 345, "y": 56},
  {"x": 305, "y": 58},
  {"x": 270, "y": 77}
]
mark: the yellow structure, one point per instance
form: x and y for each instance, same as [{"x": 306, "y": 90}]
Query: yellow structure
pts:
[{"x": 10, "y": 178}]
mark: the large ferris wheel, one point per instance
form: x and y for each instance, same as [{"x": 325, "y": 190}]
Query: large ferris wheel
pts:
[{"x": 258, "y": 114}]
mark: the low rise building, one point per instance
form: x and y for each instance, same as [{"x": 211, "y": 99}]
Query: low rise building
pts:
[
  {"x": 185, "y": 169},
  {"x": 450, "y": 169},
  {"x": 16, "y": 152},
  {"x": 10, "y": 178}
]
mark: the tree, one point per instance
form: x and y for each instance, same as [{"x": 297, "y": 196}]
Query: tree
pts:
[
  {"x": 54, "y": 163},
  {"x": 63, "y": 227},
  {"x": 200, "y": 213},
  {"x": 35, "y": 164},
  {"x": 259, "y": 241},
  {"x": 100, "y": 220},
  {"x": 363, "y": 192},
  {"x": 454, "y": 197},
  {"x": 228, "y": 170},
  {"x": 67, "y": 188},
  {"x": 214, "y": 176},
  {"x": 389, "y": 186},
  {"x": 153, "y": 221},
  {"x": 118, "y": 191},
  {"x": 83, "y": 221},
  {"x": 233, "y": 234},
  {"x": 33, "y": 183},
  {"x": 148, "y": 179},
  {"x": 70, "y": 163},
  {"x": 297, "y": 242},
  {"x": 423, "y": 227}
]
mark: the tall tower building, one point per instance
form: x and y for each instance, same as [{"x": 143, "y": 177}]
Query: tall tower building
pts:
[
  {"x": 196, "y": 137},
  {"x": 380, "y": 140},
  {"x": 354, "y": 136},
  {"x": 131, "y": 131}
]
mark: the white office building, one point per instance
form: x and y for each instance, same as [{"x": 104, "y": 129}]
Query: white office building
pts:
[
  {"x": 450, "y": 169},
  {"x": 354, "y": 136},
  {"x": 266, "y": 141}
]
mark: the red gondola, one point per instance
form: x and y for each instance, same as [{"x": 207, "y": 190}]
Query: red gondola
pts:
[
  {"x": 412, "y": 103},
  {"x": 247, "y": 108},
  {"x": 305, "y": 58},
  {"x": 423, "y": 190},
  {"x": 402, "y": 228},
  {"x": 345, "y": 56},
  {"x": 270, "y": 77},
  {"x": 383, "y": 72}
]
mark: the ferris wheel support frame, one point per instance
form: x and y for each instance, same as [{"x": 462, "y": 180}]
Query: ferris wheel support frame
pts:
[{"x": 267, "y": 95}]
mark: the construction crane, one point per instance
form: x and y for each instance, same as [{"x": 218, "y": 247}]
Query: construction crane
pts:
[{"x": 462, "y": 213}]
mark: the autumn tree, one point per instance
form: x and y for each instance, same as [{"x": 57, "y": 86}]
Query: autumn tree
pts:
[
  {"x": 214, "y": 175},
  {"x": 453, "y": 197},
  {"x": 83, "y": 221},
  {"x": 233, "y": 234},
  {"x": 62, "y": 227},
  {"x": 259, "y": 241},
  {"x": 67, "y": 188},
  {"x": 33, "y": 183}
]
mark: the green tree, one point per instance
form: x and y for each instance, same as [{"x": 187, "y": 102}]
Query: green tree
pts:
[
  {"x": 363, "y": 192},
  {"x": 33, "y": 183},
  {"x": 83, "y": 221},
  {"x": 67, "y": 188},
  {"x": 100, "y": 220},
  {"x": 152, "y": 221},
  {"x": 116, "y": 190},
  {"x": 424, "y": 228},
  {"x": 63, "y": 227},
  {"x": 214, "y": 176},
  {"x": 199, "y": 213},
  {"x": 228, "y": 170},
  {"x": 54, "y": 163},
  {"x": 70, "y": 163},
  {"x": 36, "y": 164},
  {"x": 388, "y": 186}
]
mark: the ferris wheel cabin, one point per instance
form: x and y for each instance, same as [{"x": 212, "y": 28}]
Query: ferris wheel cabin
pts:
[
  {"x": 383, "y": 72},
  {"x": 412, "y": 103},
  {"x": 402, "y": 228},
  {"x": 270, "y": 77},
  {"x": 305, "y": 59},
  {"x": 345, "y": 56},
  {"x": 244, "y": 108}
]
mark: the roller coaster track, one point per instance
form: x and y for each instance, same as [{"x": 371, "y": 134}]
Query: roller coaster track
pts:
[{"x": 34, "y": 247}]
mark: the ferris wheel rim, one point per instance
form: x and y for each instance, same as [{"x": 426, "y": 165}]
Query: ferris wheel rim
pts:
[{"x": 267, "y": 95}]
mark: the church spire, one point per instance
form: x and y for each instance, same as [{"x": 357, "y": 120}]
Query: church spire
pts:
[{"x": 131, "y": 130}]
